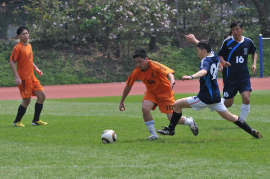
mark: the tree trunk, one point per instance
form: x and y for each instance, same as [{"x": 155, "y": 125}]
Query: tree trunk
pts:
[
  {"x": 263, "y": 16},
  {"x": 152, "y": 44},
  {"x": 177, "y": 38}
]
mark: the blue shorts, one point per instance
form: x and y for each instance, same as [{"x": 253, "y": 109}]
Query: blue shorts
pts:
[{"x": 230, "y": 90}]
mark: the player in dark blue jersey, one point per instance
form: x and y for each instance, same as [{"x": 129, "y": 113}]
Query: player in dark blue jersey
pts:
[
  {"x": 209, "y": 95},
  {"x": 234, "y": 55}
]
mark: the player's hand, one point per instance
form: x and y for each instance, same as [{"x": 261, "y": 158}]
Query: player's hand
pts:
[
  {"x": 39, "y": 72},
  {"x": 18, "y": 81},
  {"x": 191, "y": 38},
  {"x": 226, "y": 64},
  {"x": 172, "y": 85},
  {"x": 186, "y": 78},
  {"x": 122, "y": 107},
  {"x": 220, "y": 68},
  {"x": 254, "y": 69}
]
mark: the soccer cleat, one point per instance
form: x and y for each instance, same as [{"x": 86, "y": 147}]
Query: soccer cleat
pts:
[
  {"x": 39, "y": 122},
  {"x": 193, "y": 127},
  {"x": 166, "y": 131},
  {"x": 153, "y": 137},
  {"x": 256, "y": 134},
  {"x": 18, "y": 124}
]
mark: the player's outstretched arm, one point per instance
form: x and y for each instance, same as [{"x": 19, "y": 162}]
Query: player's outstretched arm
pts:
[
  {"x": 172, "y": 80},
  {"x": 13, "y": 68},
  {"x": 37, "y": 70},
  {"x": 196, "y": 75},
  {"x": 125, "y": 93},
  {"x": 192, "y": 38},
  {"x": 254, "y": 66}
]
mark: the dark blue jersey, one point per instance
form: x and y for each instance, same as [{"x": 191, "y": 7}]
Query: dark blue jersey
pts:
[
  {"x": 209, "y": 91},
  {"x": 237, "y": 54}
]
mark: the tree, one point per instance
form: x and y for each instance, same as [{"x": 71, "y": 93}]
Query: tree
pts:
[{"x": 263, "y": 11}]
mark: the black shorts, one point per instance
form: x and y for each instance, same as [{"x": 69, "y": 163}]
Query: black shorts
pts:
[{"x": 230, "y": 90}]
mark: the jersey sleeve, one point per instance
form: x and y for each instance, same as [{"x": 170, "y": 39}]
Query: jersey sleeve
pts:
[
  {"x": 223, "y": 49},
  {"x": 15, "y": 53},
  {"x": 162, "y": 69},
  {"x": 205, "y": 65},
  {"x": 132, "y": 78},
  {"x": 252, "y": 48}
]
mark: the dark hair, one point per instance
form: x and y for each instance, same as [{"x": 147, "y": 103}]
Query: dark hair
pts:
[
  {"x": 227, "y": 34},
  {"x": 235, "y": 24},
  {"x": 20, "y": 29},
  {"x": 204, "y": 44},
  {"x": 140, "y": 53}
]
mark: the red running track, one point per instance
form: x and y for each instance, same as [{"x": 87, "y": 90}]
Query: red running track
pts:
[{"x": 116, "y": 89}]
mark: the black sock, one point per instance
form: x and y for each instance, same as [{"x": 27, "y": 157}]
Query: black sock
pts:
[
  {"x": 241, "y": 123},
  {"x": 174, "y": 120},
  {"x": 21, "y": 112},
  {"x": 38, "y": 109}
]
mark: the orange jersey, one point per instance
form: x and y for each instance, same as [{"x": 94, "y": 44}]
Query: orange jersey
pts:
[
  {"x": 155, "y": 78},
  {"x": 23, "y": 55}
]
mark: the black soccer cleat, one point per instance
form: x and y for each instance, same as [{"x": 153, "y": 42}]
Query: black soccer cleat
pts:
[
  {"x": 256, "y": 134},
  {"x": 166, "y": 131}
]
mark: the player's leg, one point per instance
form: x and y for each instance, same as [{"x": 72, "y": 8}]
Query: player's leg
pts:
[
  {"x": 245, "y": 90},
  {"x": 21, "y": 111},
  {"x": 147, "y": 106},
  {"x": 25, "y": 92},
  {"x": 38, "y": 107},
  {"x": 229, "y": 91},
  {"x": 177, "y": 116},
  {"x": 239, "y": 122},
  {"x": 186, "y": 121},
  {"x": 245, "y": 108},
  {"x": 228, "y": 102}
]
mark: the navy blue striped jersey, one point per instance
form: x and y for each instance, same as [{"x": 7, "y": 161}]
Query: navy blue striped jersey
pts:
[
  {"x": 237, "y": 54},
  {"x": 209, "y": 91}
]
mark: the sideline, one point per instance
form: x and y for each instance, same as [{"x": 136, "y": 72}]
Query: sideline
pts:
[{"x": 116, "y": 89}]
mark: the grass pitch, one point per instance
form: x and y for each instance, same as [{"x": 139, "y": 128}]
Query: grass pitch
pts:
[{"x": 70, "y": 145}]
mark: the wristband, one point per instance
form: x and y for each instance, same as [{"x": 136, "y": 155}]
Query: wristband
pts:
[{"x": 191, "y": 77}]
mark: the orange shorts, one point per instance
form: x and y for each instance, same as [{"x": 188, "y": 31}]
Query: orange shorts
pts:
[
  {"x": 28, "y": 86},
  {"x": 165, "y": 106}
]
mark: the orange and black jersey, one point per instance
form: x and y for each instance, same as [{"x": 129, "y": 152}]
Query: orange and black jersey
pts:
[
  {"x": 155, "y": 78},
  {"x": 23, "y": 55}
]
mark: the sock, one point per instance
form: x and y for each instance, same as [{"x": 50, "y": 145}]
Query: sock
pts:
[
  {"x": 38, "y": 109},
  {"x": 188, "y": 121},
  {"x": 241, "y": 123},
  {"x": 21, "y": 112},
  {"x": 151, "y": 127},
  {"x": 244, "y": 111},
  {"x": 174, "y": 120}
]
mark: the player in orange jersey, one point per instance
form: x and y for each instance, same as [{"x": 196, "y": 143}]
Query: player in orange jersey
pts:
[
  {"x": 159, "y": 91},
  {"x": 25, "y": 79}
]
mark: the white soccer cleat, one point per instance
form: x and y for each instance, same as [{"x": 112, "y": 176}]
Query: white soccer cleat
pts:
[{"x": 153, "y": 137}]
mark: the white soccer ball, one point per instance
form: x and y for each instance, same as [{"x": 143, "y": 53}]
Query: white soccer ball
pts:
[{"x": 108, "y": 136}]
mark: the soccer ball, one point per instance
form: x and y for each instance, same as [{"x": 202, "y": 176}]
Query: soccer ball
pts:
[{"x": 108, "y": 136}]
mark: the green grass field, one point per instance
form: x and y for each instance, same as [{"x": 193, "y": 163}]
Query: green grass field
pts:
[{"x": 70, "y": 145}]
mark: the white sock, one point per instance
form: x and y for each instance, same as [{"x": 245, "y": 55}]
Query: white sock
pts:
[
  {"x": 244, "y": 111},
  {"x": 188, "y": 121},
  {"x": 151, "y": 127}
]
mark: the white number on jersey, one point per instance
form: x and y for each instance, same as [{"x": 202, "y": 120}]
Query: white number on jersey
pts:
[
  {"x": 214, "y": 70},
  {"x": 239, "y": 59}
]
